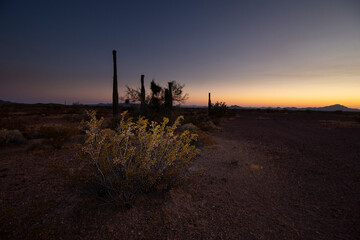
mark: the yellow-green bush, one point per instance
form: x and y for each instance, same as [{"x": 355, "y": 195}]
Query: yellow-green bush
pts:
[{"x": 137, "y": 157}]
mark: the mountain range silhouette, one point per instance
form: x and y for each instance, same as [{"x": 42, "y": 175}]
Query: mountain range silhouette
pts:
[{"x": 331, "y": 108}]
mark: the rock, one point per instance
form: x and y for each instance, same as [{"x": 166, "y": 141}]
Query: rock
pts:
[
  {"x": 234, "y": 163},
  {"x": 255, "y": 167},
  {"x": 208, "y": 125}
]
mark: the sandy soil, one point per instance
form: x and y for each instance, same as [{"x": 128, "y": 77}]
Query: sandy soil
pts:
[{"x": 270, "y": 175}]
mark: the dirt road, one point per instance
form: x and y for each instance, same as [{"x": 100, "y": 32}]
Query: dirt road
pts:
[{"x": 285, "y": 176}]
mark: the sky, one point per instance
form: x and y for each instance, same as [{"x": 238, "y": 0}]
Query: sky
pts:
[{"x": 247, "y": 53}]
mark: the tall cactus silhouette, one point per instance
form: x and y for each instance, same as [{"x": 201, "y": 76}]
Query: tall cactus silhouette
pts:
[
  {"x": 115, "y": 88},
  {"x": 142, "y": 95},
  {"x": 166, "y": 95},
  {"x": 170, "y": 95},
  {"x": 209, "y": 104},
  {"x": 169, "y": 98}
]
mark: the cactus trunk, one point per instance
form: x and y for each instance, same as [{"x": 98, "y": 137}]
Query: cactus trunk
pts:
[
  {"x": 115, "y": 88},
  {"x": 170, "y": 96},
  {"x": 142, "y": 95},
  {"x": 209, "y": 104},
  {"x": 169, "y": 99}
]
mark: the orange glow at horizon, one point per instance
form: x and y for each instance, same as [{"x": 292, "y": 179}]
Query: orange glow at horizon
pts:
[
  {"x": 313, "y": 94},
  {"x": 316, "y": 93},
  {"x": 253, "y": 93},
  {"x": 275, "y": 102}
]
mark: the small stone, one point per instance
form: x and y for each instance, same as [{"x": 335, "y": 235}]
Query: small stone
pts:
[{"x": 255, "y": 167}]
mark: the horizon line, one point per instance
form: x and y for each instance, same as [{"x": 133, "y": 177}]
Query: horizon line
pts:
[{"x": 182, "y": 105}]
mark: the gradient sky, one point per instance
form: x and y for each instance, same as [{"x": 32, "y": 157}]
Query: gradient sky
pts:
[{"x": 249, "y": 53}]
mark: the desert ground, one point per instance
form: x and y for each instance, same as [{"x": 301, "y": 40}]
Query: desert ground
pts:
[{"x": 259, "y": 175}]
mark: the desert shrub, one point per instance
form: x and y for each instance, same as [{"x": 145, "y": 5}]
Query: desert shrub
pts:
[
  {"x": 204, "y": 139},
  {"x": 72, "y": 118},
  {"x": 219, "y": 109},
  {"x": 136, "y": 158},
  {"x": 208, "y": 125},
  {"x": 11, "y": 136},
  {"x": 57, "y": 136},
  {"x": 195, "y": 119},
  {"x": 113, "y": 122},
  {"x": 13, "y": 123},
  {"x": 202, "y": 121}
]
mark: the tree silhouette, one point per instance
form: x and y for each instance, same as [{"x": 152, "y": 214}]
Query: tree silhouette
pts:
[
  {"x": 156, "y": 96},
  {"x": 178, "y": 93}
]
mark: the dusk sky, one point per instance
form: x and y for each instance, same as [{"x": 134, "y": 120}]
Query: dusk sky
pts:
[{"x": 249, "y": 53}]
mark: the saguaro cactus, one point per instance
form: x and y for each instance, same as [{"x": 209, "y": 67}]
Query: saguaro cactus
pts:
[
  {"x": 170, "y": 95},
  {"x": 142, "y": 95},
  {"x": 209, "y": 104},
  {"x": 169, "y": 98},
  {"x": 115, "y": 88},
  {"x": 166, "y": 98}
]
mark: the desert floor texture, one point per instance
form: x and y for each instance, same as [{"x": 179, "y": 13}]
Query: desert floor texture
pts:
[{"x": 264, "y": 175}]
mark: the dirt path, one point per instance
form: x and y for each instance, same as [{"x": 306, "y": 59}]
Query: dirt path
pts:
[{"x": 284, "y": 176}]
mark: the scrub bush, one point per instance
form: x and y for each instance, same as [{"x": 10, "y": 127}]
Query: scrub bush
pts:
[
  {"x": 13, "y": 123},
  {"x": 219, "y": 109},
  {"x": 138, "y": 157},
  {"x": 57, "y": 136},
  {"x": 11, "y": 136}
]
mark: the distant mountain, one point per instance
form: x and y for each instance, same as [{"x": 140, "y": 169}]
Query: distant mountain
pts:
[
  {"x": 5, "y": 102},
  {"x": 336, "y": 107},
  {"x": 237, "y": 107},
  {"x": 102, "y": 104},
  {"x": 332, "y": 108}
]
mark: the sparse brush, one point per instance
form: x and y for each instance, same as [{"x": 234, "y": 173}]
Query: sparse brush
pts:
[
  {"x": 137, "y": 158},
  {"x": 11, "y": 136},
  {"x": 219, "y": 109},
  {"x": 57, "y": 136},
  {"x": 13, "y": 123}
]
